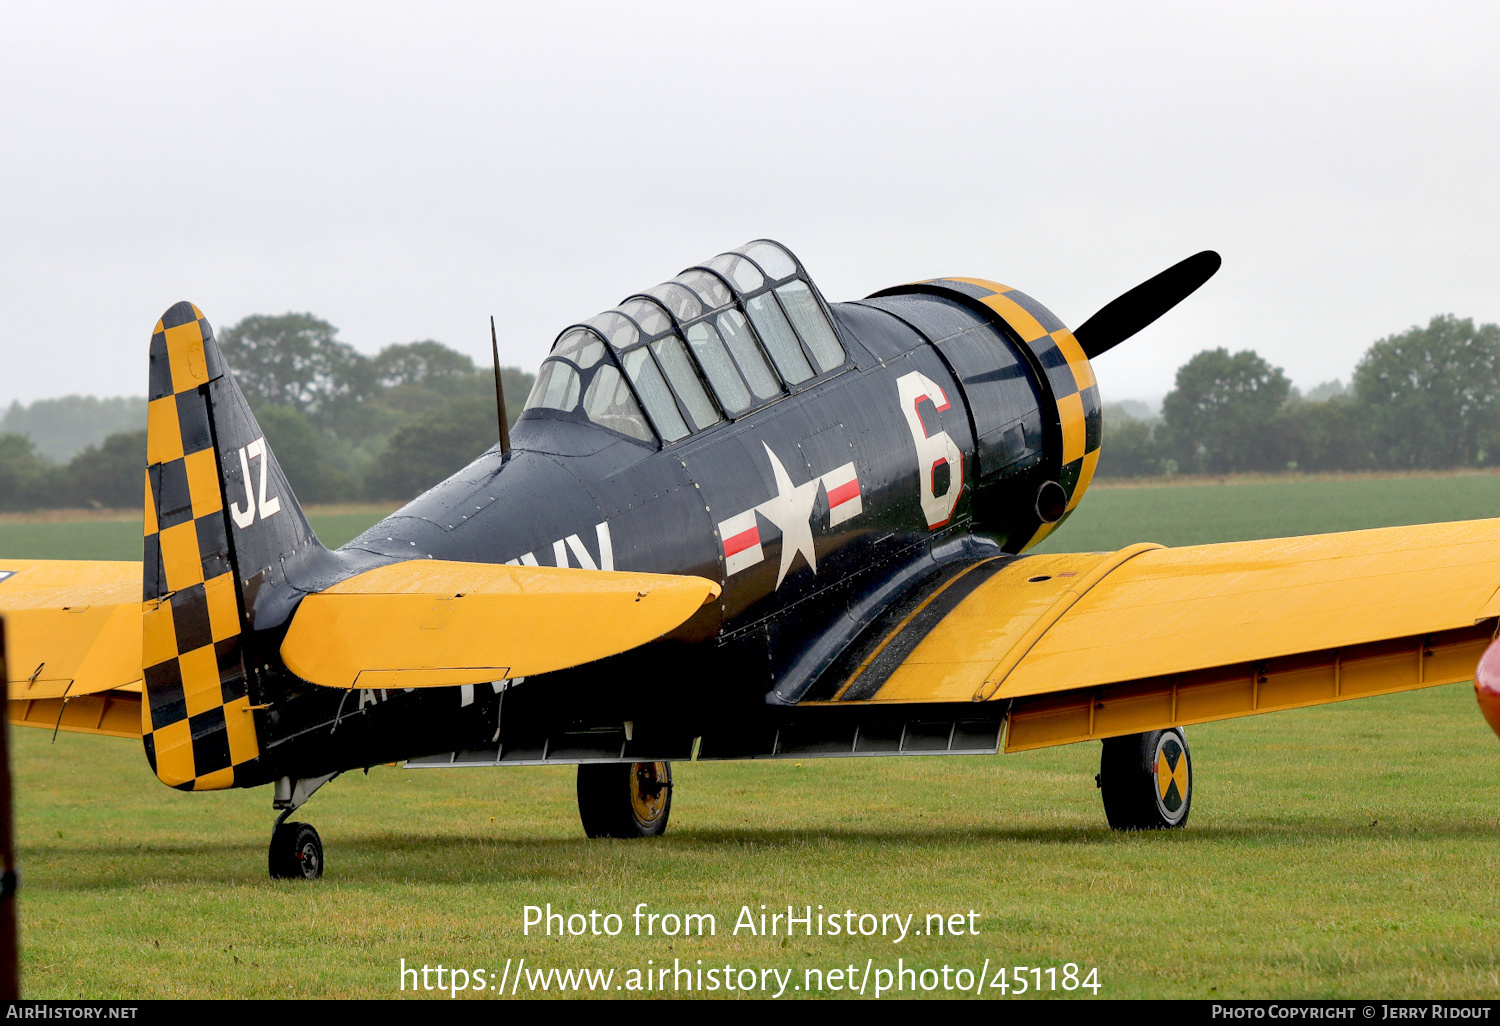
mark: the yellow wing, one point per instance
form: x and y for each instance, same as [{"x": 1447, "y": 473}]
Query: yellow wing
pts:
[
  {"x": 434, "y": 623},
  {"x": 1089, "y": 645},
  {"x": 73, "y": 644}
]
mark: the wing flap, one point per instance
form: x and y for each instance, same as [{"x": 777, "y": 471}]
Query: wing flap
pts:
[
  {"x": 73, "y": 627},
  {"x": 434, "y": 623}
]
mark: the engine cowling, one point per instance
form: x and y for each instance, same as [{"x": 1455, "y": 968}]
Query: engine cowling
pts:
[{"x": 1030, "y": 390}]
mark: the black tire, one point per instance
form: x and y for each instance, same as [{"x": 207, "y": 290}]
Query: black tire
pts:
[
  {"x": 618, "y": 799},
  {"x": 296, "y": 852},
  {"x": 1146, "y": 780}
]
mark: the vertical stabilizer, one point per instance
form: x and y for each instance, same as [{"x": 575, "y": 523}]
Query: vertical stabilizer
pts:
[{"x": 223, "y": 533}]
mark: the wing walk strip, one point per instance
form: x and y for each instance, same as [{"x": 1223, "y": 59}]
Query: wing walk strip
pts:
[
  {"x": 873, "y": 678},
  {"x": 891, "y": 650},
  {"x": 1088, "y": 645}
]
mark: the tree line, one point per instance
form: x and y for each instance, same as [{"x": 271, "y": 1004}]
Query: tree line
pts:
[
  {"x": 348, "y": 427},
  {"x": 1427, "y": 398},
  {"x": 67, "y": 425},
  {"x": 345, "y": 426}
]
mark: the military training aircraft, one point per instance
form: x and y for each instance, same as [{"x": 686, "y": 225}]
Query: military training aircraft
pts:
[{"x": 735, "y": 522}]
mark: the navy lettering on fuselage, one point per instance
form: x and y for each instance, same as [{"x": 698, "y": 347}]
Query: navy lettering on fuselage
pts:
[{"x": 573, "y": 545}]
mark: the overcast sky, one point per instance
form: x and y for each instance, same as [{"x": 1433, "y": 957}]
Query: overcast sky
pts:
[{"x": 406, "y": 170}]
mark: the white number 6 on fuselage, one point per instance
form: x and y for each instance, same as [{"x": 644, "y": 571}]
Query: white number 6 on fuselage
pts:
[{"x": 933, "y": 451}]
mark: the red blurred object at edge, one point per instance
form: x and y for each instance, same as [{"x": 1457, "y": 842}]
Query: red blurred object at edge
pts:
[
  {"x": 10, "y": 964},
  {"x": 1487, "y": 685}
]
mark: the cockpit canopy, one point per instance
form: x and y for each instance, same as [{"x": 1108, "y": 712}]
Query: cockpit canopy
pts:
[{"x": 719, "y": 340}]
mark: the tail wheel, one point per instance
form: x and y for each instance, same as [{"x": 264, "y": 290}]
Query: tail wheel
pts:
[
  {"x": 1147, "y": 780},
  {"x": 296, "y": 852},
  {"x": 625, "y": 799}
]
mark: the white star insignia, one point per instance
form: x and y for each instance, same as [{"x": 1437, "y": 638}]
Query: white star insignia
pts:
[{"x": 791, "y": 510}]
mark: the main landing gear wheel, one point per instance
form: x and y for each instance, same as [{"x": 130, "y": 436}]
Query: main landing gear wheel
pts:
[
  {"x": 617, "y": 799},
  {"x": 1147, "y": 780},
  {"x": 296, "y": 852}
]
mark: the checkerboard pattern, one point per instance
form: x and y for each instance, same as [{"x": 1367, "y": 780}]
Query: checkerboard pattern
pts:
[
  {"x": 1068, "y": 374},
  {"x": 196, "y": 720}
]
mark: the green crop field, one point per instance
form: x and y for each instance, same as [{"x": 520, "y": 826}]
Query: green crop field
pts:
[
  {"x": 119, "y": 536},
  {"x": 1348, "y": 850},
  {"x": 1194, "y": 514}
]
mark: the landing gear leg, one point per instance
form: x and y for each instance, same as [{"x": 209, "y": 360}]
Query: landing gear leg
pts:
[
  {"x": 1147, "y": 780},
  {"x": 620, "y": 799},
  {"x": 296, "y": 849}
]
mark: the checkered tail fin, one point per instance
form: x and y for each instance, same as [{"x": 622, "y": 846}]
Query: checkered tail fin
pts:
[{"x": 223, "y": 535}]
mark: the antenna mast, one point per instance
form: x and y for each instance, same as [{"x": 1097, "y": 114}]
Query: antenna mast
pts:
[{"x": 499, "y": 392}]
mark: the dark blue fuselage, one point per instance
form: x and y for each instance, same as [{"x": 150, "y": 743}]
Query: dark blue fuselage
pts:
[{"x": 921, "y": 368}]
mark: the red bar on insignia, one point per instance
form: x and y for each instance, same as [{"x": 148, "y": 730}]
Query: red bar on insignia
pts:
[
  {"x": 844, "y": 501},
  {"x": 843, "y": 493},
  {"x": 742, "y": 541},
  {"x": 741, "y": 538}
]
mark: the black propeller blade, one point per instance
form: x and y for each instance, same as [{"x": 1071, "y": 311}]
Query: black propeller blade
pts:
[{"x": 1128, "y": 314}]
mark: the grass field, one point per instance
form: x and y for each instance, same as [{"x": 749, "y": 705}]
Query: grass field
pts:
[{"x": 1349, "y": 850}]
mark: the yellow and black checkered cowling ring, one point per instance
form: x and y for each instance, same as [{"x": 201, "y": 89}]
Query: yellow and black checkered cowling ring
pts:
[
  {"x": 1062, "y": 368},
  {"x": 197, "y": 723}
]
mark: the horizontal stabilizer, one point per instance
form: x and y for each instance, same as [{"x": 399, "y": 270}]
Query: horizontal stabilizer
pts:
[
  {"x": 434, "y": 623},
  {"x": 73, "y": 627}
]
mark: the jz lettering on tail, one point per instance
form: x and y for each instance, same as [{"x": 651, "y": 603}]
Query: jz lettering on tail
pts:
[{"x": 268, "y": 507}]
